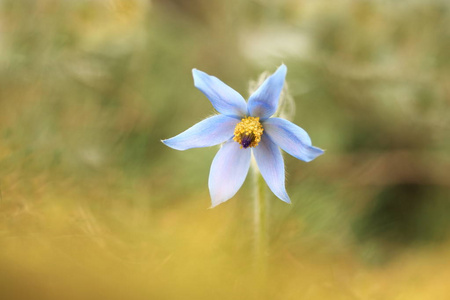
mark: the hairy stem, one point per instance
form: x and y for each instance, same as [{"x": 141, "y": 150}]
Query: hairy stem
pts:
[{"x": 260, "y": 220}]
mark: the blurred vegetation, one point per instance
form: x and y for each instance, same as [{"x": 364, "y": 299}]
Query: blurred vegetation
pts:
[{"x": 92, "y": 205}]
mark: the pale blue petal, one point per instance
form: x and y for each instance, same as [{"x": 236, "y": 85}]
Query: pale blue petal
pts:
[
  {"x": 291, "y": 138},
  {"x": 224, "y": 99},
  {"x": 264, "y": 101},
  {"x": 271, "y": 165},
  {"x": 228, "y": 172},
  {"x": 209, "y": 132}
]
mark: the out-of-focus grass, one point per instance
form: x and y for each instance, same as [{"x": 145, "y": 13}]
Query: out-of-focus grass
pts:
[
  {"x": 76, "y": 250},
  {"x": 92, "y": 205}
]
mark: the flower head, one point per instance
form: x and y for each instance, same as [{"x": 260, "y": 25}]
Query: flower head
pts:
[{"x": 245, "y": 128}]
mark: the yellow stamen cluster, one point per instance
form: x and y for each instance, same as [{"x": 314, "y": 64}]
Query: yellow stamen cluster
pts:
[{"x": 248, "y": 132}]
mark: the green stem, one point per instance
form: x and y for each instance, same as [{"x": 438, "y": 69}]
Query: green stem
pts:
[{"x": 260, "y": 217}]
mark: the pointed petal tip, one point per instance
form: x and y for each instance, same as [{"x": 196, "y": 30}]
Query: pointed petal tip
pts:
[
  {"x": 313, "y": 153},
  {"x": 214, "y": 205},
  {"x": 195, "y": 74},
  {"x": 165, "y": 142},
  {"x": 172, "y": 143},
  {"x": 281, "y": 71},
  {"x": 318, "y": 150},
  {"x": 217, "y": 200},
  {"x": 169, "y": 144},
  {"x": 285, "y": 198}
]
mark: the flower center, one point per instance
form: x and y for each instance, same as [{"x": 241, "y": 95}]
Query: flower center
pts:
[{"x": 248, "y": 132}]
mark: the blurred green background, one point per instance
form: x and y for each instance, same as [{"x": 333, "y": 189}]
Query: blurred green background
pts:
[{"x": 94, "y": 206}]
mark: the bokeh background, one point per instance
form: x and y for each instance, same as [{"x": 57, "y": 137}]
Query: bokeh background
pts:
[{"x": 94, "y": 206}]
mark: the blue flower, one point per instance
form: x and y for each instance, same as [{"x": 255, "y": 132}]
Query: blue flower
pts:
[{"x": 245, "y": 127}]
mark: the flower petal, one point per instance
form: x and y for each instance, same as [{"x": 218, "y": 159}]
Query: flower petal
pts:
[
  {"x": 224, "y": 99},
  {"x": 271, "y": 165},
  {"x": 264, "y": 101},
  {"x": 291, "y": 138},
  {"x": 209, "y": 132},
  {"x": 228, "y": 172}
]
